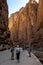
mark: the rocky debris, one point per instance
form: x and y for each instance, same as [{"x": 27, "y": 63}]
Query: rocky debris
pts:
[{"x": 39, "y": 54}]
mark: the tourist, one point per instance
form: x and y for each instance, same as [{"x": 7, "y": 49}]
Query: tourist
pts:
[
  {"x": 12, "y": 53},
  {"x": 29, "y": 51},
  {"x": 18, "y": 53}
]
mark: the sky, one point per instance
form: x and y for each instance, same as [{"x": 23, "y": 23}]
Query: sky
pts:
[{"x": 15, "y": 5}]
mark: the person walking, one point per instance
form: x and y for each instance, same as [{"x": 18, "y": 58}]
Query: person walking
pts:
[
  {"x": 29, "y": 51},
  {"x": 18, "y": 53},
  {"x": 12, "y": 53}
]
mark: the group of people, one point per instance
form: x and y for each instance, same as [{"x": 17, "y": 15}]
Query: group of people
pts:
[{"x": 18, "y": 52}]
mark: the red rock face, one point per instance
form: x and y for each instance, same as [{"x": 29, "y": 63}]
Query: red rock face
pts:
[
  {"x": 38, "y": 36},
  {"x": 4, "y": 13},
  {"x": 40, "y": 23},
  {"x": 40, "y": 12},
  {"x": 4, "y": 32},
  {"x": 26, "y": 22}
]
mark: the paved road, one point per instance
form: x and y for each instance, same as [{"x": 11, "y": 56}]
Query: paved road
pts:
[{"x": 5, "y": 59}]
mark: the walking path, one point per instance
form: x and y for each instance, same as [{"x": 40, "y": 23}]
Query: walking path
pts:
[{"x": 5, "y": 59}]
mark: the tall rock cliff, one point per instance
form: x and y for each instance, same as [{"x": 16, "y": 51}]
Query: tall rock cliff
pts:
[
  {"x": 14, "y": 26},
  {"x": 26, "y": 24},
  {"x": 39, "y": 25},
  {"x": 4, "y": 32},
  {"x": 40, "y": 13},
  {"x": 33, "y": 5}
]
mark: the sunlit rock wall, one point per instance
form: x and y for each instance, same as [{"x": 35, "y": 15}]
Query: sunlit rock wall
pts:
[{"x": 26, "y": 24}]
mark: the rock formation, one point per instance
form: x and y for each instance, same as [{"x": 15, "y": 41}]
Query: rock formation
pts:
[
  {"x": 27, "y": 27},
  {"x": 4, "y": 32},
  {"x": 40, "y": 13},
  {"x": 39, "y": 25}
]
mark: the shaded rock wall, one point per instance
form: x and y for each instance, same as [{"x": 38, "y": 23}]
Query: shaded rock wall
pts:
[
  {"x": 39, "y": 26},
  {"x": 3, "y": 13},
  {"x": 4, "y": 32}
]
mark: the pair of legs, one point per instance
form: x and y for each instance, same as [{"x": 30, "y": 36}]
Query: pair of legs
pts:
[
  {"x": 18, "y": 57},
  {"x": 29, "y": 54},
  {"x": 12, "y": 56}
]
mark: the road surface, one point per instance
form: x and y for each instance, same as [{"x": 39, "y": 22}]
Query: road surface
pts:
[{"x": 5, "y": 58}]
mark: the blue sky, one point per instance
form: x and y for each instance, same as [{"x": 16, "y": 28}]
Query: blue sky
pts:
[{"x": 15, "y": 5}]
